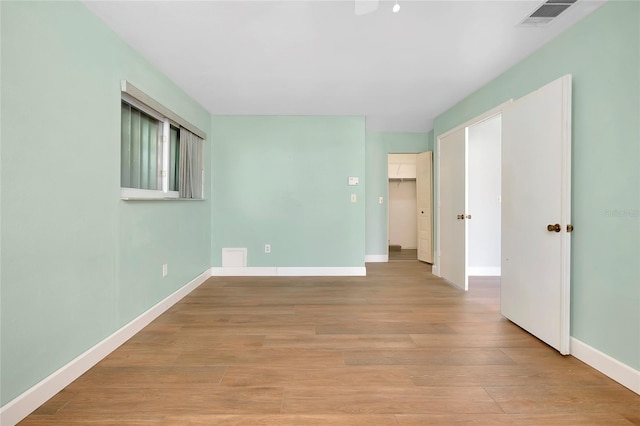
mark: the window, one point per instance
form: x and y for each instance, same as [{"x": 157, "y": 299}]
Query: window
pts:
[{"x": 161, "y": 154}]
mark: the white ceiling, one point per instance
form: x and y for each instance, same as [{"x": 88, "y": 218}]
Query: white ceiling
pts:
[{"x": 318, "y": 58}]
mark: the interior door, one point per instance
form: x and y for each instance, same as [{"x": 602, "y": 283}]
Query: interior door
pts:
[
  {"x": 424, "y": 198},
  {"x": 536, "y": 194},
  {"x": 452, "y": 261}
]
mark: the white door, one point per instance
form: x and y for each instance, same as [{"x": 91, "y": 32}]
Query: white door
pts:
[
  {"x": 424, "y": 197},
  {"x": 452, "y": 261},
  {"x": 536, "y": 195}
]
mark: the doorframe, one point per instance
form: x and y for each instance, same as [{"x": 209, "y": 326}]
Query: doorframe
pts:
[
  {"x": 388, "y": 202},
  {"x": 476, "y": 120}
]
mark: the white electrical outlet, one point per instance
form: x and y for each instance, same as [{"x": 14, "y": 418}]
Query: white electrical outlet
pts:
[
  {"x": 267, "y": 248},
  {"x": 165, "y": 270}
]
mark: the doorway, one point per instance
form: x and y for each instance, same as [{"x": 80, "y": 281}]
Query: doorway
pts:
[
  {"x": 403, "y": 223},
  {"x": 484, "y": 181},
  {"x": 470, "y": 209},
  {"x": 410, "y": 207},
  {"x": 535, "y": 193},
  {"x": 402, "y": 201}
]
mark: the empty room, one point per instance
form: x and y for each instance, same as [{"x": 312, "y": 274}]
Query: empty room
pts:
[{"x": 199, "y": 212}]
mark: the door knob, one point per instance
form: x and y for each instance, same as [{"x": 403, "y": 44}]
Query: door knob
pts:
[{"x": 554, "y": 228}]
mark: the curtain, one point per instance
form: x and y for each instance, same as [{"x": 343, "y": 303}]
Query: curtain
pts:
[
  {"x": 140, "y": 135},
  {"x": 174, "y": 158},
  {"x": 190, "y": 180}
]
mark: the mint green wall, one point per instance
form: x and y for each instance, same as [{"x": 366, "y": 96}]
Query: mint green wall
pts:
[
  {"x": 379, "y": 145},
  {"x": 602, "y": 52},
  {"x": 283, "y": 181},
  {"x": 77, "y": 262}
]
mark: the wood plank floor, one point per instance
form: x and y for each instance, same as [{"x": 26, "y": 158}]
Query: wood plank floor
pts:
[
  {"x": 398, "y": 347},
  {"x": 403, "y": 255}
]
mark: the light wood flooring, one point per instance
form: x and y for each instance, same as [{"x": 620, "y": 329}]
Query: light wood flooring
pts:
[
  {"x": 398, "y": 347},
  {"x": 403, "y": 255}
]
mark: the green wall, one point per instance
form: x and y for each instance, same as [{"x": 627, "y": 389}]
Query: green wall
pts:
[
  {"x": 77, "y": 262},
  {"x": 283, "y": 181},
  {"x": 379, "y": 145},
  {"x": 602, "y": 52}
]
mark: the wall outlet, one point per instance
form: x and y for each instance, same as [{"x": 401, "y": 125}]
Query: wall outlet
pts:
[
  {"x": 267, "y": 248},
  {"x": 165, "y": 270}
]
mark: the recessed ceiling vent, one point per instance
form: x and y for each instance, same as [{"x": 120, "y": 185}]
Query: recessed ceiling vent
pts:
[{"x": 547, "y": 12}]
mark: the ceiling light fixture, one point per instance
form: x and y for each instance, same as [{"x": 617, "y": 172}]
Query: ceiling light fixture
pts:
[{"x": 396, "y": 7}]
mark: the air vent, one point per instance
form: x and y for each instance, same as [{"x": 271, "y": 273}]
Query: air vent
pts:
[{"x": 547, "y": 12}]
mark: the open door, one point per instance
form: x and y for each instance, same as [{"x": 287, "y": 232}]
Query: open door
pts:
[
  {"x": 536, "y": 212},
  {"x": 424, "y": 197},
  {"x": 452, "y": 260}
]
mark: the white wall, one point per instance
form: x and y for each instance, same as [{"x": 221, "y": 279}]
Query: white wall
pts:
[
  {"x": 403, "y": 227},
  {"x": 484, "y": 186}
]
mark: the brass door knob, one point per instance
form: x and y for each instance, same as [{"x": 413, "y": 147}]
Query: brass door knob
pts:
[{"x": 554, "y": 228}]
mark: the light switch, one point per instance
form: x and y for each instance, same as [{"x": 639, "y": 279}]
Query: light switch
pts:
[
  {"x": 353, "y": 198},
  {"x": 380, "y": 200}
]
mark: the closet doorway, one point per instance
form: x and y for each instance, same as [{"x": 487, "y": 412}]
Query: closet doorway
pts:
[
  {"x": 410, "y": 215},
  {"x": 535, "y": 213},
  {"x": 470, "y": 204},
  {"x": 484, "y": 182}
]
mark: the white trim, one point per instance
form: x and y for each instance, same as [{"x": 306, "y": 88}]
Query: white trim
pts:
[
  {"x": 290, "y": 272},
  {"x": 565, "y": 295},
  {"x": 142, "y": 107},
  {"x": 236, "y": 271},
  {"x": 621, "y": 373},
  {"x": 376, "y": 258},
  {"x": 137, "y": 193},
  {"x": 487, "y": 115},
  {"x": 139, "y": 95},
  {"x": 434, "y": 270},
  {"x": 25, "y": 403},
  {"x": 484, "y": 271},
  {"x": 323, "y": 272}
]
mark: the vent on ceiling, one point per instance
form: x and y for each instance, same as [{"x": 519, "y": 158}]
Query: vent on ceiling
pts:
[{"x": 547, "y": 12}]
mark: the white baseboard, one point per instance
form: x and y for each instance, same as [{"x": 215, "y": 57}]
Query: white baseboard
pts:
[
  {"x": 290, "y": 271},
  {"x": 359, "y": 271},
  {"x": 254, "y": 271},
  {"x": 607, "y": 365},
  {"x": 24, "y": 404},
  {"x": 481, "y": 271},
  {"x": 435, "y": 270},
  {"x": 376, "y": 257}
]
